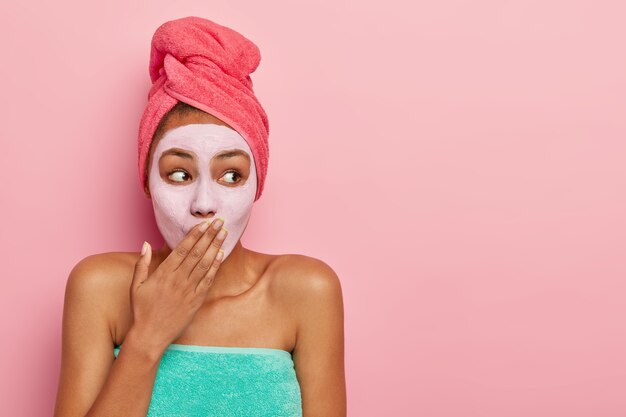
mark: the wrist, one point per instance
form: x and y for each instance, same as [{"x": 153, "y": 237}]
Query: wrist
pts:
[{"x": 139, "y": 343}]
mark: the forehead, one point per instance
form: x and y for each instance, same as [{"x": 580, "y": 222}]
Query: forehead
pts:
[{"x": 203, "y": 139}]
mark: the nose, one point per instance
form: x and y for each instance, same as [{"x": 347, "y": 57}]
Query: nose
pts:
[{"x": 204, "y": 202}]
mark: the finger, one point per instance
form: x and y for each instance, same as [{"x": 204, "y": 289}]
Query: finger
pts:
[
  {"x": 183, "y": 249},
  {"x": 204, "y": 265},
  {"x": 207, "y": 280},
  {"x": 142, "y": 265},
  {"x": 197, "y": 252}
]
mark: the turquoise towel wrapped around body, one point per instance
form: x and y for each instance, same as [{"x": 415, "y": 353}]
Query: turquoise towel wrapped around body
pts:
[{"x": 216, "y": 381}]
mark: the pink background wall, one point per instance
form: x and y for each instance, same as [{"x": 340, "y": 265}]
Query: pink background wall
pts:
[{"x": 460, "y": 164}]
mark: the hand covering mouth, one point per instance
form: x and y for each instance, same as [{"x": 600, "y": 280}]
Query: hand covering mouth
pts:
[{"x": 186, "y": 231}]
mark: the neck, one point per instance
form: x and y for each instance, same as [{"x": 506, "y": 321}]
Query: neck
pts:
[{"x": 234, "y": 276}]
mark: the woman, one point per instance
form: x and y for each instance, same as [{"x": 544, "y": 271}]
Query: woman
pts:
[{"x": 202, "y": 326}]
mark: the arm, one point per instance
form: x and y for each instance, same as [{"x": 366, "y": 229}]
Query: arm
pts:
[
  {"x": 319, "y": 350},
  {"x": 92, "y": 383}
]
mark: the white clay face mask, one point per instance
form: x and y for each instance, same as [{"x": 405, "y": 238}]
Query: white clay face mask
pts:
[{"x": 192, "y": 190}]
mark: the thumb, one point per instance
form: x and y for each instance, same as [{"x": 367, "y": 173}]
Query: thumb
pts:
[{"x": 141, "y": 266}]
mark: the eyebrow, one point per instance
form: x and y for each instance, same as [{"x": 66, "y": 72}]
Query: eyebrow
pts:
[
  {"x": 222, "y": 155},
  {"x": 177, "y": 152},
  {"x": 232, "y": 153}
]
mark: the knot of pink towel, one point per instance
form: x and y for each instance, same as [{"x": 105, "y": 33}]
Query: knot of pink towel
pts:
[{"x": 208, "y": 66}]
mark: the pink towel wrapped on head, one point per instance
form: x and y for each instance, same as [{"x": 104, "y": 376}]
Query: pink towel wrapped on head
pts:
[{"x": 208, "y": 66}]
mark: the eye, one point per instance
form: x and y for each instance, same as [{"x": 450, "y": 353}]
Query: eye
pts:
[
  {"x": 179, "y": 175},
  {"x": 231, "y": 175}
]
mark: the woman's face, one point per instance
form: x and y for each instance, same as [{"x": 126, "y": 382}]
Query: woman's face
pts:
[{"x": 200, "y": 172}]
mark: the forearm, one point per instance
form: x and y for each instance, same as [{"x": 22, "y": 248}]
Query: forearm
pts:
[{"x": 128, "y": 388}]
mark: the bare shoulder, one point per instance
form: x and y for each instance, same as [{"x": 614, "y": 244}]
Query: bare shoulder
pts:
[
  {"x": 102, "y": 270},
  {"x": 100, "y": 278},
  {"x": 91, "y": 294},
  {"x": 299, "y": 278},
  {"x": 313, "y": 292}
]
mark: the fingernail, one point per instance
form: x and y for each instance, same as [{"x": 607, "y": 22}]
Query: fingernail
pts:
[
  {"x": 144, "y": 248},
  {"x": 204, "y": 226},
  {"x": 218, "y": 223}
]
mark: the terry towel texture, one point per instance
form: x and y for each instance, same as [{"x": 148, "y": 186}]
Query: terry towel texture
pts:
[
  {"x": 208, "y": 66},
  {"x": 211, "y": 381}
]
